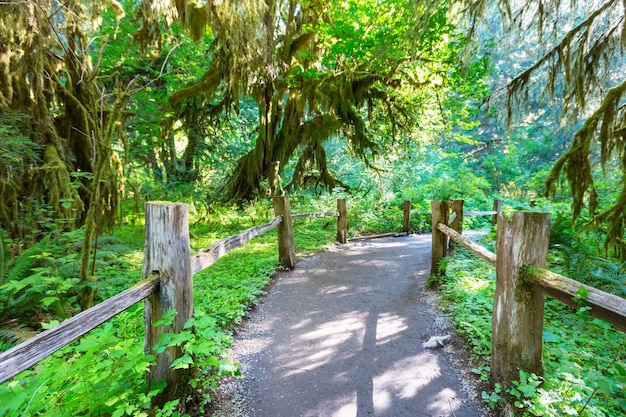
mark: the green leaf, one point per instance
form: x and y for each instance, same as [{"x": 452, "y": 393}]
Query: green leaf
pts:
[
  {"x": 183, "y": 362},
  {"x": 50, "y": 325},
  {"x": 167, "y": 319},
  {"x": 119, "y": 412},
  {"x": 550, "y": 337},
  {"x": 47, "y": 301},
  {"x": 582, "y": 293},
  {"x": 620, "y": 368}
]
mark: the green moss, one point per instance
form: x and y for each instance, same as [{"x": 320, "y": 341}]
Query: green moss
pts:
[{"x": 527, "y": 278}]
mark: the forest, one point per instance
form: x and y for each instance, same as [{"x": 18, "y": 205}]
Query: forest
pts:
[{"x": 221, "y": 104}]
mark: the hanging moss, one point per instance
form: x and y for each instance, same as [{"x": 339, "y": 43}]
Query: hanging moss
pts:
[
  {"x": 62, "y": 196},
  {"x": 577, "y": 64}
]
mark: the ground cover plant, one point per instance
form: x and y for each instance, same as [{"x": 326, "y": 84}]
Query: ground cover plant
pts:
[
  {"x": 103, "y": 373},
  {"x": 585, "y": 363}
]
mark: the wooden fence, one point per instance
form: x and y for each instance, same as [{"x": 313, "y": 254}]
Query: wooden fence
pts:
[
  {"x": 168, "y": 269},
  {"x": 521, "y": 282},
  {"x": 167, "y": 284}
]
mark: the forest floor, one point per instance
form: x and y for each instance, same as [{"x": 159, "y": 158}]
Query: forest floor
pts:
[{"x": 341, "y": 335}]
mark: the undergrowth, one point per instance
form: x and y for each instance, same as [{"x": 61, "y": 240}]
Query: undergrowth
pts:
[
  {"x": 103, "y": 372},
  {"x": 585, "y": 358}
]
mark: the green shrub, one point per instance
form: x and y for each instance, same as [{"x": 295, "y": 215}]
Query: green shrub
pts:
[{"x": 585, "y": 363}]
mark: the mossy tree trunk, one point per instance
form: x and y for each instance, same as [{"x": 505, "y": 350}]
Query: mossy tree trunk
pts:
[{"x": 68, "y": 112}]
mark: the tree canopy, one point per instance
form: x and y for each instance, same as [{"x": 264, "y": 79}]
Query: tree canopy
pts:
[
  {"x": 93, "y": 92},
  {"x": 315, "y": 70},
  {"x": 578, "y": 65}
]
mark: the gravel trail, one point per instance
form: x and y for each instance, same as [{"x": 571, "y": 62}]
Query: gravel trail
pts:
[{"x": 341, "y": 335}]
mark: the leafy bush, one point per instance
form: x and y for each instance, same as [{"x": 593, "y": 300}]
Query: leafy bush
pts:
[
  {"x": 103, "y": 373},
  {"x": 41, "y": 283},
  {"x": 585, "y": 364}
]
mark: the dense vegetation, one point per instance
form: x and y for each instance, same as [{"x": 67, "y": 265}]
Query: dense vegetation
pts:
[{"x": 105, "y": 105}]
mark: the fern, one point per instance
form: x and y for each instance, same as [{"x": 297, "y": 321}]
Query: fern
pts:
[
  {"x": 24, "y": 263},
  {"x": 15, "y": 335},
  {"x": 609, "y": 276},
  {"x": 596, "y": 271},
  {"x": 102, "y": 241},
  {"x": 113, "y": 250}
]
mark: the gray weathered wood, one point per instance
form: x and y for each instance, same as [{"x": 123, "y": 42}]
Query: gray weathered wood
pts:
[
  {"x": 479, "y": 213},
  {"x": 27, "y": 354},
  {"x": 440, "y": 213},
  {"x": 517, "y": 322},
  {"x": 603, "y": 305},
  {"x": 342, "y": 221},
  {"x": 308, "y": 215},
  {"x": 368, "y": 237},
  {"x": 456, "y": 217},
  {"x": 406, "y": 220},
  {"x": 286, "y": 249},
  {"x": 473, "y": 247},
  {"x": 207, "y": 257},
  {"x": 167, "y": 253}
]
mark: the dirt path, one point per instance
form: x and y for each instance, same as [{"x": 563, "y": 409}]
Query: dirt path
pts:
[{"x": 341, "y": 335}]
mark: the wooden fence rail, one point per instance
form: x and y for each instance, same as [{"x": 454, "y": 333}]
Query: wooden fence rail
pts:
[
  {"x": 37, "y": 348},
  {"x": 207, "y": 257},
  {"x": 167, "y": 285},
  {"x": 521, "y": 282}
]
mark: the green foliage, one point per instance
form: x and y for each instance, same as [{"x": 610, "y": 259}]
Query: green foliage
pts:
[
  {"x": 42, "y": 283},
  {"x": 578, "y": 259},
  {"x": 467, "y": 294},
  {"x": 18, "y": 154},
  {"x": 585, "y": 370},
  {"x": 103, "y": 373}
]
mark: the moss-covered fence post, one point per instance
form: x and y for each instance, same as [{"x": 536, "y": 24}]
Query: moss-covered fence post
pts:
[{"x": 517, "y": 323}]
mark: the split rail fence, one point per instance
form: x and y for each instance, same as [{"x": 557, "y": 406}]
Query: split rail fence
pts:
[
  {"x": 168, "y": 269},
  {"x": 521, "y": 283},
  {"x": 167, "y": 284}
]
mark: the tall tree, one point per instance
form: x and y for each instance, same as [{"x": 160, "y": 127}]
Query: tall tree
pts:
[
  {"x": 314, "y": 69},
  {"x": 50, "y": 85},
  {"x": 579, "y": 58}
]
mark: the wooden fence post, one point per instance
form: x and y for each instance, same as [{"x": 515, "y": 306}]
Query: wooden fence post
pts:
[
  {"x": 167, "y": 253},
  {"x": 286, "y": 250},
  {"x": 497, "y": 207},
  {"x": 342, "y": 221},
  {"x": 406, "y": 223},
  {"x": 440, "y": 212},
  {"x": 517, "y": 322},
  {"x": 456, "y": 207}
]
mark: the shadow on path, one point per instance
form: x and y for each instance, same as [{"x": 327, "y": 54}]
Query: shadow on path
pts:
[{"x": 341, "y": 335}]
